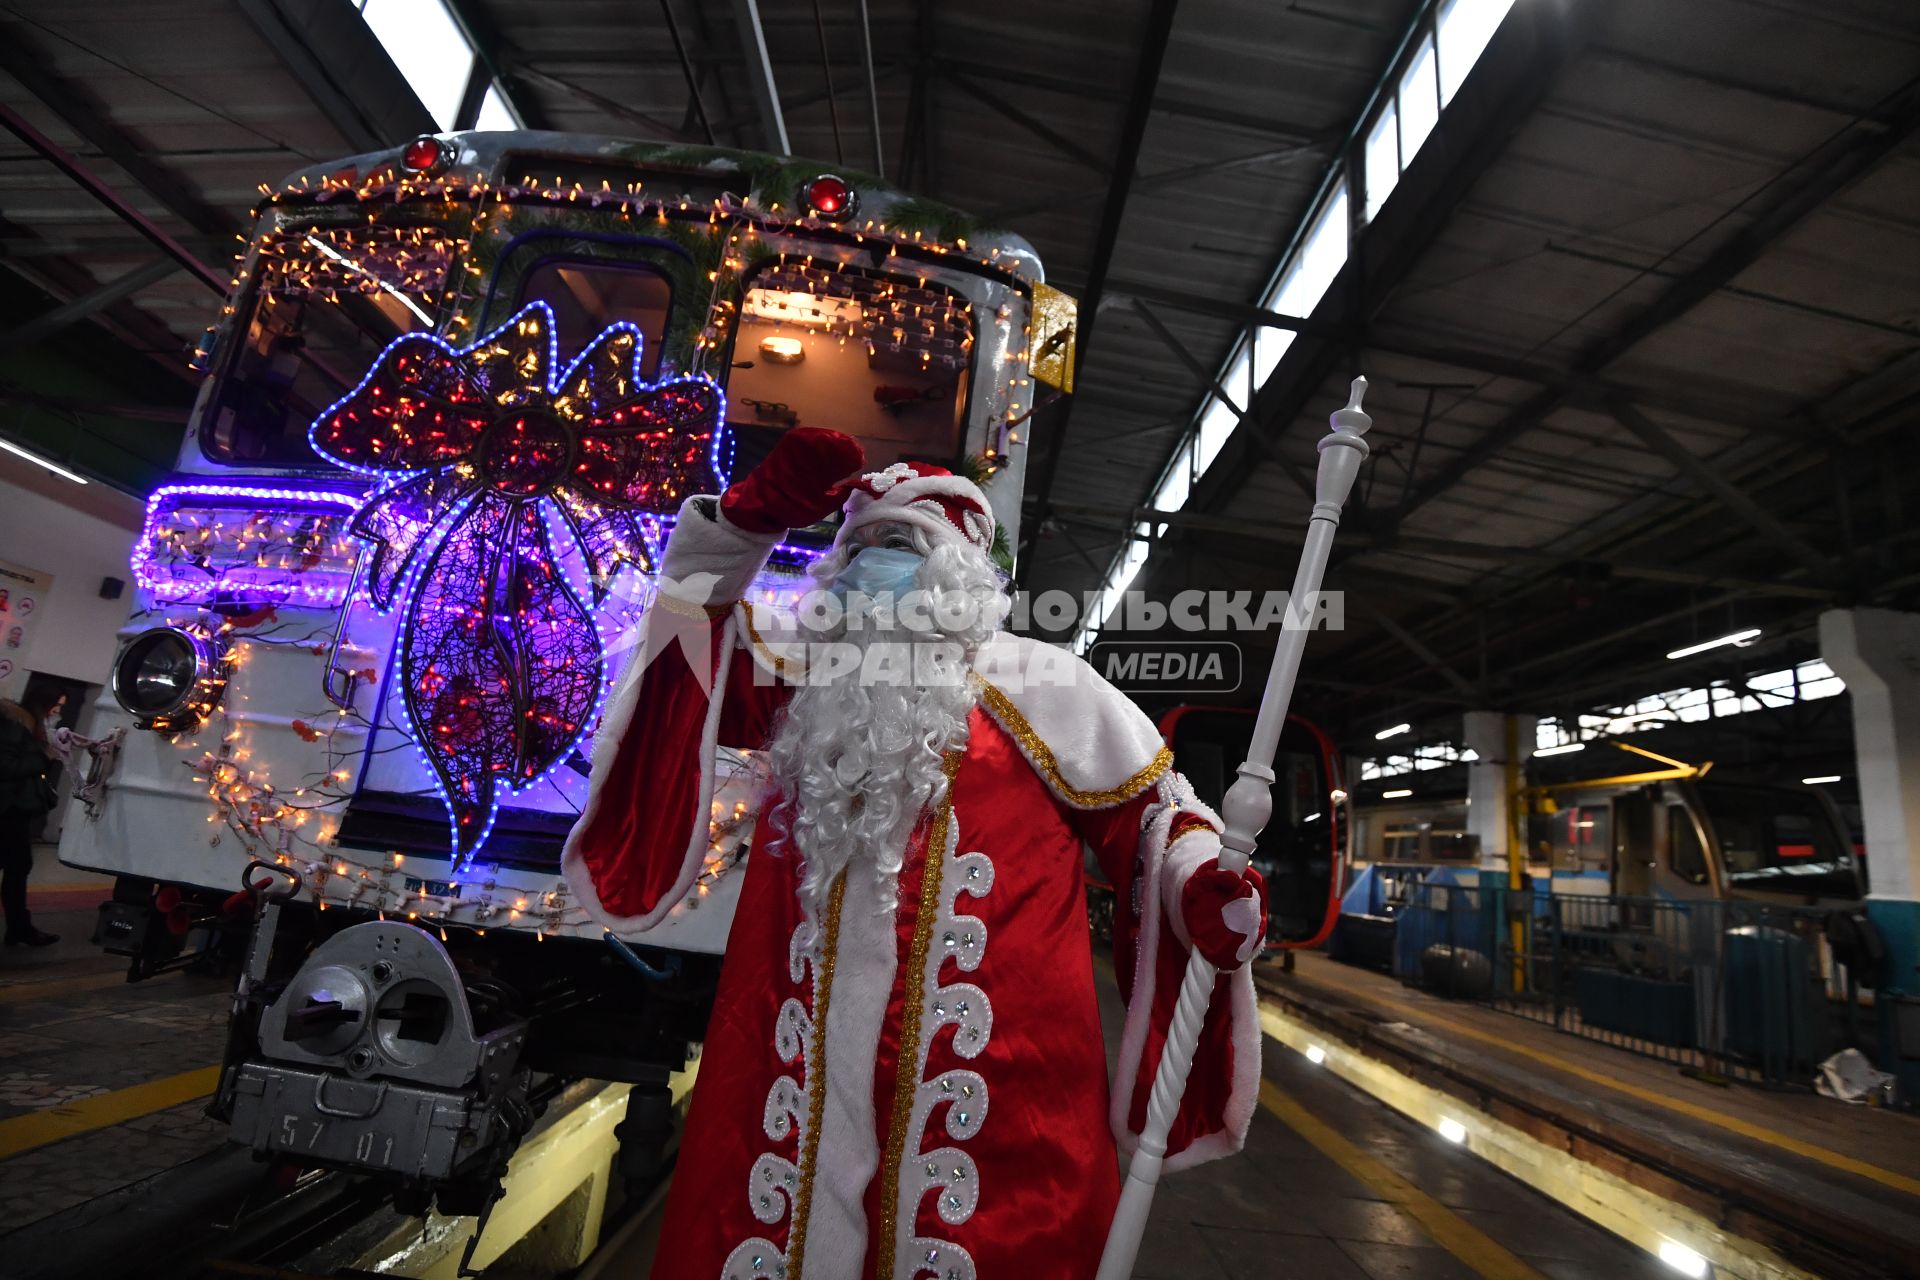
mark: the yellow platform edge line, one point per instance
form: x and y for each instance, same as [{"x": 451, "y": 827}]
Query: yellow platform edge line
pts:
[
  {"x": 46, "y": 988},
  {"x": 53, "y": 1124},
  {"x": 1698, "y": 1111},
  {"x": 1480, "y": 1252},
  {"x": 1630, "y": 1212}
]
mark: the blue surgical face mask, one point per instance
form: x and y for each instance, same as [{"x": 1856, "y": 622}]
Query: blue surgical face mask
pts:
[{"x": 878, "y": 571}]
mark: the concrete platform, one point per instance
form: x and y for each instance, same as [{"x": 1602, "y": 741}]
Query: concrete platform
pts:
[
  {"x": 1332, "y": 1185},
  {"x": 1830, "y": 1189},
  {"x": 101, "y": 1083},
  {"x": 101, "y": 1086}
]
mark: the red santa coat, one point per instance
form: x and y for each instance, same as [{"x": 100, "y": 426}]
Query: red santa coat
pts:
[{"x": 919, "y": 1093}]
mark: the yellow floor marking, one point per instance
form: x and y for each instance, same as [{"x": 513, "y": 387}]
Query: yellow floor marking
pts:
[
  {"x": 16, "y": 992},
  {"x": 38, "y": 1128},
  {"x": 1731, "y": 1123},
  {"x": 1474, "y": 1247}
]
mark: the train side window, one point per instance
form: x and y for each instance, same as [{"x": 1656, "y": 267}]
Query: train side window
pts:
[{"x": 1685, "y": 856}]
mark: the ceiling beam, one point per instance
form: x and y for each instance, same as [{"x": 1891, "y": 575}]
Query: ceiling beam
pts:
[
  {"x": 1133, "y": 130},
  {"x": 95, "y": 186},
  {"x": 1707, "y": 476},
  {"x": 1038, "y": 128},
  {"x": 1831, "y": 168},
  {"x": 343, "y": 70},
  {"x": 1095, "y": 92},
  {"x": 79, "y": 112},
  {"x": 766, "y": 94},
  {"x": 78, "y": 310}
]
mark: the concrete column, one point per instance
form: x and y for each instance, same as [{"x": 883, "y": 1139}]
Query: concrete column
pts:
[
  {"x": 1877, "y": 652},
  {"x": 1488, "y": 802}
]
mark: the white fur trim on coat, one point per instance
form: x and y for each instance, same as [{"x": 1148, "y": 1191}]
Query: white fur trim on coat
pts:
[
  {"x": 1091, "y": 744},
  {"x": 1244, "y": 1029},
  {"x": 708, "y": 561}
]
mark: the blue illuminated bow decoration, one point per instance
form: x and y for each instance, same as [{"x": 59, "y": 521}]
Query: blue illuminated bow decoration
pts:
[{"x": 489, "y": 451}]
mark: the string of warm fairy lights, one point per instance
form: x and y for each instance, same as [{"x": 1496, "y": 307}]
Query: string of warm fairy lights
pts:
[{"x": 269, "y": 824}]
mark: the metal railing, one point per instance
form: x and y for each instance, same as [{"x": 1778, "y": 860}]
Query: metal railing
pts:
[{"x": 1744, "y": 990}]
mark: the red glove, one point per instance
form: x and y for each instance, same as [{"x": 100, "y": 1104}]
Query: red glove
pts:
[
  {"x": 1225, "y": 914},
  {"x": 795, "y": 485}
]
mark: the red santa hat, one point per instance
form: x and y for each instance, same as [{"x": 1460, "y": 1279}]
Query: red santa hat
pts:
[{"x": 927, "y": 497}]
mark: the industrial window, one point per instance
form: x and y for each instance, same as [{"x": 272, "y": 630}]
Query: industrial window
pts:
[
  {"x": 1383, "y": 159},
  {"x": 1419, "y": 102},
  {"x": 434, "y": 56},
  {"x": 427, "y": 46},
  {"x": 1466, "y": 27}
]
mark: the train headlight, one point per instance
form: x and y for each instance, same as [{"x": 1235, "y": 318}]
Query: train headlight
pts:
[{"x": 169, "y": 678}]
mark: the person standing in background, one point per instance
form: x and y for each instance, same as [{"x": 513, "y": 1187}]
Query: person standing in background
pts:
[
  {"x": 26, "y": 794},
  {"x": 47, "y": 706}
]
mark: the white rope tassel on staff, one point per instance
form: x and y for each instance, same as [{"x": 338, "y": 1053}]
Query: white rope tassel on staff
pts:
[{"x": 1248, "y": 805}]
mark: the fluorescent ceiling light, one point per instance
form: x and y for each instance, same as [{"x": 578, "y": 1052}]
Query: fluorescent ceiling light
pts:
[
  {"x": 1452, "y": 1130},
  {"x": 39, "y": 461},
  {"x": 1395, "y": 795},
  {"x": 1682, "y": 1259},
  {"x": 1388, "y": 733},
  {"x": 1742, "y": 638},
  {"x": 1564, "y": 748},
  {"x": 1825, "y": 777}
]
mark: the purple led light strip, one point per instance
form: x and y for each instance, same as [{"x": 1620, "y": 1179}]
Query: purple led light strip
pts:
[{"x": 168, "y": 584}]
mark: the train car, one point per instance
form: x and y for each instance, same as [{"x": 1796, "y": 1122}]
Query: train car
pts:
[
  {"x": 451, "y": 406},
  {"x": 1697, "y": 838}
]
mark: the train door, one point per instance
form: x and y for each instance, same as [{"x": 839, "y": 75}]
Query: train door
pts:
[
  {"x": 1303, "y": 851},
  {"x": 1633, "y": 852}
]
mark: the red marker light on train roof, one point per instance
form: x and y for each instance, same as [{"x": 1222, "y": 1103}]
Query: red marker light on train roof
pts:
[
  {"x": 831, "y": 197},
  {"x": 426, "y": 154}
]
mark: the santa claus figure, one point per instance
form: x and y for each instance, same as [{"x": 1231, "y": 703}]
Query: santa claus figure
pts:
[{"x": 904, "y": 1075}]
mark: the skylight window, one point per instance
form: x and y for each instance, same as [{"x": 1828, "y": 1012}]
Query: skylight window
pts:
[
  {"x": 1383, "y": 159},
  {"x": 1318, "y": 261},
  {"x": 432, "y": 53},
  {"x": 1466, "y": 27},
  {"x": 495, "y": 113},
  {"x": 1419, "y": 101},
  {"x": 428, "y": 47},
  {"x": 1449, "y": 44}
]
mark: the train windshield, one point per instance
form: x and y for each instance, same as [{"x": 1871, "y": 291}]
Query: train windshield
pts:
[
  {"x": 324, "y": 302},
  {"x": 881, "y": 356},
  {"x": 1776, "y": 840}
]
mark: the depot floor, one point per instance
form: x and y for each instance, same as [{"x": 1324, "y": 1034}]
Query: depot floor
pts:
[{"x": 101, "y": 1085}]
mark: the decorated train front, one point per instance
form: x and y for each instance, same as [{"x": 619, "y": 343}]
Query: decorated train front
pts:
[{"x": 453, "y": 403}]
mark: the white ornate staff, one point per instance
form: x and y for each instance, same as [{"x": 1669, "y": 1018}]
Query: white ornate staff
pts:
[{"x": 1248, "y": 805}]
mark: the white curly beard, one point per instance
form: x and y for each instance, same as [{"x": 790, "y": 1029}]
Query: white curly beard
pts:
[{"x": 856, "y": 762}]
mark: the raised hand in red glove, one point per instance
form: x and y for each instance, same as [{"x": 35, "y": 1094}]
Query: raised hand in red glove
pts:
[
  {"x": 1225, "y": 915},
  {"x": 795, "y": 485}
]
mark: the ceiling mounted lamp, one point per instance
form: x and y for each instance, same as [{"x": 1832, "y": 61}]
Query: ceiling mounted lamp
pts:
[{"x": 780, "y": 348}]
